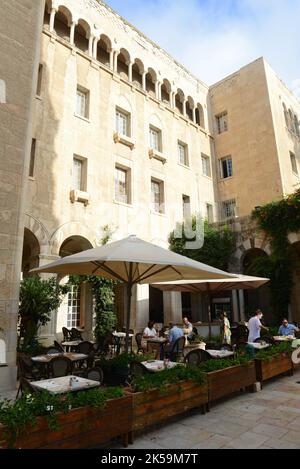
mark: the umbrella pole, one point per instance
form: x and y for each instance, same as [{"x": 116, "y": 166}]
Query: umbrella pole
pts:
[{"x": 129, "y": 295}]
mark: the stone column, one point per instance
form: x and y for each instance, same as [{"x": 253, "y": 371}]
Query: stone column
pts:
[
  {"x": 142, "y": 307},
  {"x": 235, "y": 306},
  {"x": 158, "y": 86},
  {"x": 194, "y": 115},
  {"x": 116, "y": 53},
  {"x": 72, "y": 32},
  {"x": 91, "y": 40},
  {"x": 144, "y": 80},
  {"x": 52, "y": 18},
  {"x": 95, "y": 44},
  {"x": 111, "y": 59},
  {"x": 242, "y": 305},
  {"x": 172, "y": 307},
  {"x": 184, "y": 107},
  {"x": 130, "y": 65}
]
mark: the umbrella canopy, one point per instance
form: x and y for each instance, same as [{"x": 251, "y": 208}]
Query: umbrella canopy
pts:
[
  {"x": 241, "y": 282},
  {"x": 132, "y": 260}
]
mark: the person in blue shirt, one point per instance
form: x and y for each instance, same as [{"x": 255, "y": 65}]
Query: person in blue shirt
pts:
[
  {"x": 287, "y": 329},
  {"x": 174, "y": 333}
]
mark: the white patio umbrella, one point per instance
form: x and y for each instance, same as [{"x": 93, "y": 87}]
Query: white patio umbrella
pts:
[
  {"x": 240, "y": 282},
  {"x": 133, "y": 261}
]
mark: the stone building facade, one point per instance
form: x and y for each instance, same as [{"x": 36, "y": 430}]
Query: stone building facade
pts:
[{"x": 123, "y": 139}]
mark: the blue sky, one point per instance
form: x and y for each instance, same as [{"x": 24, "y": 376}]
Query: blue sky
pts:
[{"x": 214, "y": 38}]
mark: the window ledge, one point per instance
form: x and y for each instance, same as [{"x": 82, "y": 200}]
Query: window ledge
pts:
[
  {"x": 79, "y": 196},
  {"x": 157, "y": 155},
  {"x": 124, "y": 139},
  {"x": 123, "y": 204},
  {"x": 184, "y": 166},
  {"x": 82, "y": 117},
  {"x": 295, "y": 174},
  {"x": 31, "y": 178},
  {"x": 153, "y": 212},
  {"x": 225, "y": 179},
  {"x": 37, "y": 96}
]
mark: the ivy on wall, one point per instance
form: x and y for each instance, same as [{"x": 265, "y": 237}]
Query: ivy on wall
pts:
[{"x": 277, "y": 220}]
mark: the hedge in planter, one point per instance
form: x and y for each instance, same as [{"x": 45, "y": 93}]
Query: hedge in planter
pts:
[
  {"x": 81, "y": 420},
  {"x": 274, "y": 361},
  {"x": 227, "y": 376},
  {"x": 156, "y": 397}
]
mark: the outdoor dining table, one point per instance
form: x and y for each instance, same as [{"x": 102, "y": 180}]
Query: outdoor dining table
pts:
[
  {"x": 74, "y": 357},
  {"x": 119, "y": 336},
  {"x": 64, "y": 384},
  {"x": 71, "y": 343},
  {"x": 258, "y": 345},
  {"x": 283, "y": 338},
  {"x": 220, "y": 353},
  {"x": 160, "y": 341},
  {"x": 159, "y": 365}
]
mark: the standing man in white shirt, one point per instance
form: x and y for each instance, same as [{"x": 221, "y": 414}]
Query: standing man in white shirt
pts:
[{"x": 254, "y": 326}]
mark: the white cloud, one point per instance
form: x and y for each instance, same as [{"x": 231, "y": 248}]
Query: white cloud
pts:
[{"x": 214, "y": 38}]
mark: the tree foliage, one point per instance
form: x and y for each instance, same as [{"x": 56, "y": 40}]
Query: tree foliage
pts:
[
  {"x": 38, "y": 299},
  {"x": 216, "y": 251}
]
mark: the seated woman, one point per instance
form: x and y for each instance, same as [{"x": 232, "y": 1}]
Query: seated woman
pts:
[{"x": 149, "y": 333}]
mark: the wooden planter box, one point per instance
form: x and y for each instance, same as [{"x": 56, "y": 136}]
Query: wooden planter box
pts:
[
  {"x": 80, "y": 428},
  {"x": 266, "y": 369},
  {"x": 155, "y": 406},
  {"x": 224, "y": 382}
]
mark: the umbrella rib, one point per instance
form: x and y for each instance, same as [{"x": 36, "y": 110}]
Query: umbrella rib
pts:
[
  {"x": 108, "y": 270},
  {"x": 141, "y": 279}
]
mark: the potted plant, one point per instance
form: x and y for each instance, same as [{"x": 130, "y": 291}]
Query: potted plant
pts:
[
  {"x": 274, "y": 361},
  {"x": 226, "y": 376},
  {"x": 75, "y": 420},
  {"x": 156, "y": 397}
]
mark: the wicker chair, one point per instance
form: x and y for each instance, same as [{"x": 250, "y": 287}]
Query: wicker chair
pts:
[
  {"x": 87, "y": 348},
  {"x": 75, "y": 334},
  {"x": 176, "y": 350},
  {"x": 25, "y": 387},
  {"x": 27, "y": 370},
  {"x": 137, "y": 369},
  {"x": 193, "y": 357},
  {"x": 67, "y": 334},
  {"x": 59, "y": 366},
  {"x": 53, "y": 350},
  {"x": 58, "y": 346},
  {"x": 94, "y": 374}
]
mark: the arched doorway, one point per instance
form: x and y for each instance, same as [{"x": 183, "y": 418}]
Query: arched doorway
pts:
[
  {"x": 31, "y": 252},
  {"x": 76, "y": 309},
  {"x": 260, "y": 297},
  {"x": 295, "y": 297}
]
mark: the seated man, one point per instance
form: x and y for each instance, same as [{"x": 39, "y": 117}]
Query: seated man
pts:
[
  {"x": 189, "y": 327},
  {"x": 287, "y": 329},
  {"x": 174, "y": 333}
]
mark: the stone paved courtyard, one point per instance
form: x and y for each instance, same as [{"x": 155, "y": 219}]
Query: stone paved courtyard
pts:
[{"x": 265, "y": 420}]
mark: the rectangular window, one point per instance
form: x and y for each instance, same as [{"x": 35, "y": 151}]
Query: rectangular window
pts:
[
  {"x": 222, "y": 122},
  {"x": 82, "y": 102},
  {"x": 39, "y": 81},
  {"x": 122, "y": 186},
  {"x": 229, "y": 209},
  {"x": 209, "y": 213},
  {"x": 186, "y": 206},
  {"x": 155, "y": 138},
  {"x": 79, "y": 173},
  {"x": 157, "y": 196},
  {"x": 226, "y": 169},
  {"x": 206, "y": 165},
  {"x": 73, "y": 315},
  {"x": 123, "y": 122},
  {"x": 32, "y": 157},
  {"x": 183, "y": 154},
  {"x": 294, "y": 163}
]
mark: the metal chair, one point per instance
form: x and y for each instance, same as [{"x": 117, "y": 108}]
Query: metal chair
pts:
[
  {"x": 59, "y": 366},
  {"x": 138, "y": 339}
]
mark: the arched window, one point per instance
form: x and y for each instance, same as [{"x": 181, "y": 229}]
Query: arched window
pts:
[
  {"x": 137, "y": 73},
  {"x": 296, "y": 126},
  {"x": 103, "y": 50},
  {"x": 62, "y": 23},
  {"x": 189, "y": 108},
  {"x": 286, "y": 115},
  {"x": 123, "y": 63},
  {"x": 165, "y": 91},
  {"x": 82, "y": 35},
  {"x": 200, "y": 115},
  {"x": 151, "y": 79},
  {"x": 31, "y": 252},
  {"x": 179, "y": 101},
  {"x": 47, "y": 14}
]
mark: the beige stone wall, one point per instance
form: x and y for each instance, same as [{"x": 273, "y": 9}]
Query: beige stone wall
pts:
[
  {"x": 250, "y": 139},
  {"x": 286, "y": 140},
  {"x": 20, "y": 24}
]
